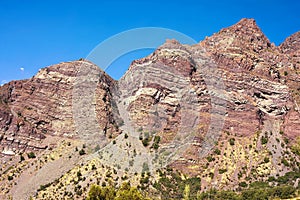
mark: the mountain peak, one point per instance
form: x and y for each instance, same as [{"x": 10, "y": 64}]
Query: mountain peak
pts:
[
  {"x": 291, "y": 44},
  {"x": 246, "y": 22},
  {"x": 246, "y": 28},
  {"x": 245, "y": 31},
  {"x": 237, "y": 44}
]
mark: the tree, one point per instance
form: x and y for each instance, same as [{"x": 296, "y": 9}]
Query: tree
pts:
[
  {"x": 127, "y": 192},
  {"x": 101, "y": 193}
]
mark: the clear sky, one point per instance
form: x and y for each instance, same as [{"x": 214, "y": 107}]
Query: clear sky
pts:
[{"x": 36, "y": 34}]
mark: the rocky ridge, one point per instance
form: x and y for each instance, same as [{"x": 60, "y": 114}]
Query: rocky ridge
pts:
[{"x": 222, "y": 108}]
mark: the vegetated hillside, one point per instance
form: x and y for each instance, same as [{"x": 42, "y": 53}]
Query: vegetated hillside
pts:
[{"x": 222, "y": 114}]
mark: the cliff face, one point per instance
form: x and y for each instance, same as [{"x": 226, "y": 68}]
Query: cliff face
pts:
[
  {"x": 233, "y": 85},
  {"x": 244, "y": 49},
  {"x": 220, "y": 107},
  {"x": 43, "y": 105}
]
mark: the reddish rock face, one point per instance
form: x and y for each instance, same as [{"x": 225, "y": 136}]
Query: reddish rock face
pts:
[
  {"x": 43, "y": 105},
  {"x": 233, "y": 83},
  {"x": 243, "y": 59},
  {"x": 290, "y": 50}
]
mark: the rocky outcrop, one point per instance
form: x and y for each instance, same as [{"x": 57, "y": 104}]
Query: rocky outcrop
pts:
[{"x": 43, "y": 105}]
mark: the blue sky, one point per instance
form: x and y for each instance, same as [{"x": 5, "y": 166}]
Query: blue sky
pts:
[{"x": 36, "y": 34}]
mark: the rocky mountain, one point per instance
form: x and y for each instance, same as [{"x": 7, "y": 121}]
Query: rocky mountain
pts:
[{"x": 223, "y": 112}]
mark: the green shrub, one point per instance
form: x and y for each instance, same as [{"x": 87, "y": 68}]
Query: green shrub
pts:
[
  {"x": 222, "y": 171},
  {"x": 217, "y": 151},
  {"x": 266, "y": 159},
  {"x": 271, "y": 179},
  {"x": 82, "y": 152},
  {"x": 285, "y": 162},
  {"x": 243, "y": 184},
  {"x": 145, "y": 142},
  {"x": 22, "y": 158},
  {"x": 10, "y": 177},
  {"x": 259, "y": 184},
  {"x": 264, "y": 140},
  {"x": 210, "y": 158},
  {"x": 31, "y": 155},
  {"x": 125, "y": 192},
  {"x": 156, "y": 141}
]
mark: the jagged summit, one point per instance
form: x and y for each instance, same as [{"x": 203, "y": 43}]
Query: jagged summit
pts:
[
  {"x": 244, "y": 35},
  {"x": 291, "y": 44},
  {"x": 241, "y": 46},
  {"x": 246, "y": 26}
]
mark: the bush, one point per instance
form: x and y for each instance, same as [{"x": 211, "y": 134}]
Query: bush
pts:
[
  {"x": 10, "y": 178},
  {"x": 210, "y": 158},
  {"x": 222, "y": 171},
  {"x": 82, "y": 152},
  {"x": 172, "y": 186},
  {"x": 231, "y": 141},
  {"x": 271, "y": 179},
  {"x": 264, "y": 140},
  {"x": 285, "y": 162},
  {"x": 97, "y": 192},
  {"x": 145, "y": 142},
  {"x": 259, "y": 184},
  {"x": 217, "y": 151},
  {"x": 22, "y": 158},
  {"x": 156, "y": 141},
  {"x": 110, "y": 193},
  {"x": 243, "y": 184},
  {"x": 155, "y": 145},
  {"x": 31, "y": 155},
  {"x": 266, "y": 159},
  {"x": 43, "y": 187}
]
